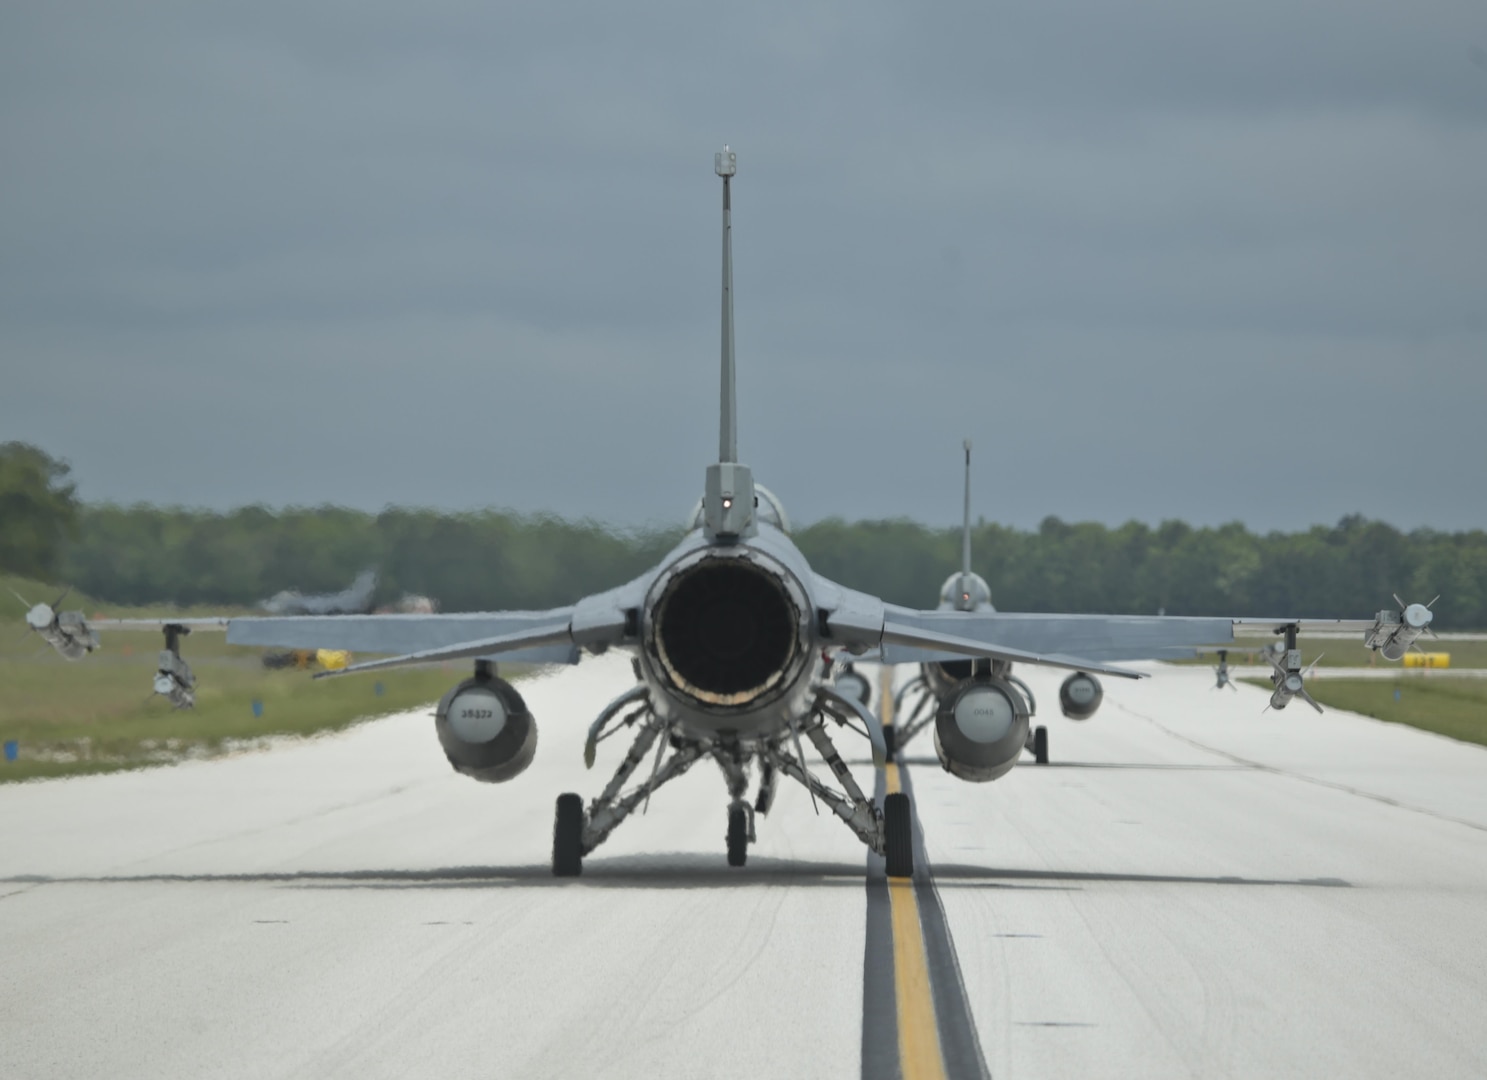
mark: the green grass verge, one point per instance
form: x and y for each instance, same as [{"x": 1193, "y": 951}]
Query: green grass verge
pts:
[
  {"x": 97, "y": 715},
  {"x": 1438, "y": 703}
]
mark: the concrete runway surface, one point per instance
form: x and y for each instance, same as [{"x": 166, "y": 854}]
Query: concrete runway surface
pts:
[{"x": 1192, "y": 888}]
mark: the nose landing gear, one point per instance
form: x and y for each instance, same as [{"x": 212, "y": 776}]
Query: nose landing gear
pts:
[{"x": 740, "y": 833}]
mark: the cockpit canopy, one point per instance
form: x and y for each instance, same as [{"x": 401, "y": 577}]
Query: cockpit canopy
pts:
[
  {"x": 770, "y": 511},
  {"x": 965, "y": 592}
]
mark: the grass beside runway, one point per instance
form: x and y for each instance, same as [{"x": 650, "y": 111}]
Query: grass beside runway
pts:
[
  {"x": 96, "y": 714},
  {"x": 1438, "y": 703}
]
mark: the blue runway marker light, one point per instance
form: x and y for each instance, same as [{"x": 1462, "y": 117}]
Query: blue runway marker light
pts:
[
  {"x": 377, "y": 689},
  {"x": 257, "y": 707},
  {"x": 1396, "y": 694},
  {"x": 12, "y": 750}
]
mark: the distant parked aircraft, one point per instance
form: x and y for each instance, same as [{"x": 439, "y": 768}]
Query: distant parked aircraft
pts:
[{"x": 355, "y": 600}]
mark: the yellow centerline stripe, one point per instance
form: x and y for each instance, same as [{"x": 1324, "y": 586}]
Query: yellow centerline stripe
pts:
[{"x": 919, "y": 1053}]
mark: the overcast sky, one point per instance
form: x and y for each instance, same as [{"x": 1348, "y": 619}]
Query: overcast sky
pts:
[{"x": 1158, "y": 259}]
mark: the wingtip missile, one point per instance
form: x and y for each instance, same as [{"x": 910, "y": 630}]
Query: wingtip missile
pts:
[
  {"x": 66, "y": 631},
  {"x": 1393, "y": 632}
]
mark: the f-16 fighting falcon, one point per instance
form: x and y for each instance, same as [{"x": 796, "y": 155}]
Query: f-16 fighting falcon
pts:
[
  {"x": 736, "y": 645},
  {"x": 939, "y": 681}
]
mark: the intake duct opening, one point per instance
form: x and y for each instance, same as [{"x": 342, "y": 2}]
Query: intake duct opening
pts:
[{"x": 726, "y": 631}]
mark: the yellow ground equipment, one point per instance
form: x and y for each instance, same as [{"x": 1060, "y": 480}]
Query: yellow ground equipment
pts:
[{"x": 1427, "y": 659}]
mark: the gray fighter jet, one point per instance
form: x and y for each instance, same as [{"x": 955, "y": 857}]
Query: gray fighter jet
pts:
[
  {"x": 353, "y": 600},
  {"x": 920, "y": 700},
  {"x": 734, "y": 640}
]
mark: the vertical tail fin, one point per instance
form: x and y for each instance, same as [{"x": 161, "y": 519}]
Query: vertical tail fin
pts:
[
  {"x": 728, "y": 494},
  {"x": 725, "y": 164},
  {"x": 965, "y": 531}
]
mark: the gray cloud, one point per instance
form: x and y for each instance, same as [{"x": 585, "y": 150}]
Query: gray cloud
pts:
[{"x": 459, "y": 255}]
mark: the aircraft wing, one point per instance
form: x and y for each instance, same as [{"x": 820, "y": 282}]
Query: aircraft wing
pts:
[
  {"x": 1251, "y": 627},
  {"x": 210, "y": 622},
  {"x": 1101, "y": 638},
  {"x": 551, "y": 637},
  {"x": 1084, "y": 642},
  {"x": 387, "y": 633},
  {"x": 515, "y": 636},
  {"x": 861, "y": 623},
  {"x": 544, "y": 637}
]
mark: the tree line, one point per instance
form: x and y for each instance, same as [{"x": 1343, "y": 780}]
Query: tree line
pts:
[
  {"x": 491, "y": 559},
  {"x": 494, "y": 559}
]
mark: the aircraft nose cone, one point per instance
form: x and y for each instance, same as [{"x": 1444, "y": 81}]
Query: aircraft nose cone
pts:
[{"x": 39, "y": 617}]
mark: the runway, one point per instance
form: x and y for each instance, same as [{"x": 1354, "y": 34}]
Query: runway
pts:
[{"x": 1192, "y": 888}]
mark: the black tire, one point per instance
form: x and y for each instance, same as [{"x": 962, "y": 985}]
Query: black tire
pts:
[
  {"x": 898, "y": 835},
  {"x": 567, "y": 837},
  {"x": 738, "y": 836},
  {"x": 1040, "y": 745},
  {"x": 890, "y": 740}
]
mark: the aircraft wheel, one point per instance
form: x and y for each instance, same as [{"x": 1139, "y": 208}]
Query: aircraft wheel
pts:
[
  {"x": 890, "y": 740},
  {"x": 567, "y": 837},
  {"x": 1040, "y": 745},
  {"x": 738, "y": 836},
  {"x": 898, "y": 834}
]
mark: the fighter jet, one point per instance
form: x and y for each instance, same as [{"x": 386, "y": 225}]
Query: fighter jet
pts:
[
  {"x": 920, "y": 700},
  {"x": 734, "y": 637},
  {"x": 353, "y": 600}
]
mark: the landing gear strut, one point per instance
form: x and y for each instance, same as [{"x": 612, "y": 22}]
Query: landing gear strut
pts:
[
  {"x": 593, "y": 826},
  {"x": 768, "y": 783},
  {"x": 578, "y": 830}
]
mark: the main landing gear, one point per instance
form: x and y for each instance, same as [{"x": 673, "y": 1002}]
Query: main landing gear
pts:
[
  {"x": 898, "y": 835},
  {"x": 567, "y": 837},
  {"x": 1038, "y": 744},
  {"x": 578, "y": 830}
]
